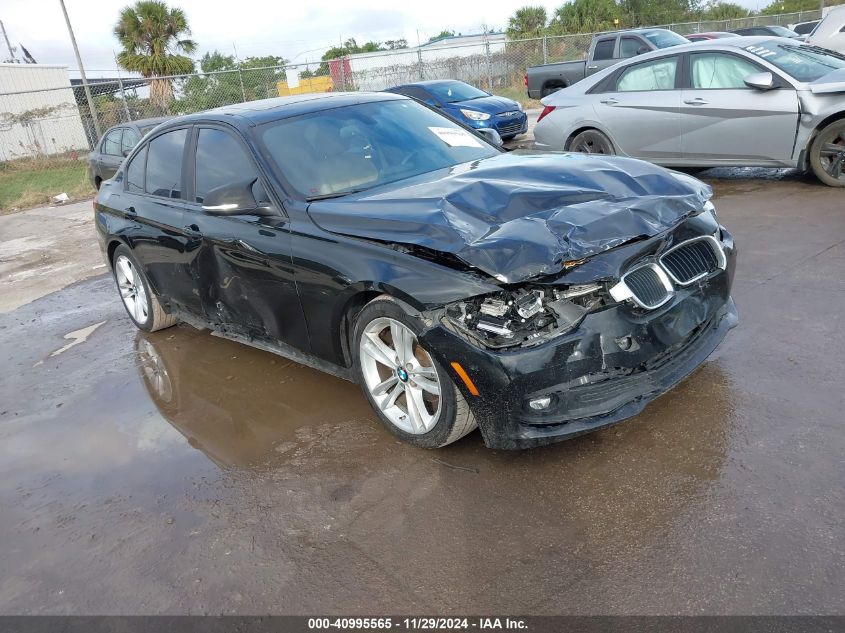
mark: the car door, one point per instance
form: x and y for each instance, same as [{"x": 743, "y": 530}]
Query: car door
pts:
[
  {"x": 639, "y": 106},
  {"x": 604, "y": 55},
  {"x": 243, "y": 268},
  {"x": 154, "y": 200},
  {"x": 724, "y": 120},
  {"x": 110, "y": 156}
]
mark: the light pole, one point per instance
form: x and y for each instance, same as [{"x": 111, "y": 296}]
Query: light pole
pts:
[{"x": 82, "y": 72}]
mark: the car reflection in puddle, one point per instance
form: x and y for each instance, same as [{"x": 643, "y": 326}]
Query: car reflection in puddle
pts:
[{"x": 235, "y": 403}]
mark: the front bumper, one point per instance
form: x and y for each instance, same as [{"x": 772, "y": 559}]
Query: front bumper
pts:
[
  {"x": 507, "y": 127},
  {"x": 593, "y": 382}
]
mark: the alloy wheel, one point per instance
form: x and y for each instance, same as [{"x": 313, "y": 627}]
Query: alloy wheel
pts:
[
  {"x": 832, "y": 154},
  {"x": 400, "y": 376},
  {"x": 132, "y": 289},
  {"x": 591, "y": 142}
]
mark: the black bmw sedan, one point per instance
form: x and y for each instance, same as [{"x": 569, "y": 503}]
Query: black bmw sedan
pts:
[{"x": 536, "y": 296}]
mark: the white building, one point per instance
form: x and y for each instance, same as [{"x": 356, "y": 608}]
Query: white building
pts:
[
  {"x": 465, "y": 57},
  {"x": 38, "y": 112}
]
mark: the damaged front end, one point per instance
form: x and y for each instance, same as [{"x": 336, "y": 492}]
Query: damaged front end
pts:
[
  {"x": 525, "y": 316},
  {"x": 569, "y": 354}
]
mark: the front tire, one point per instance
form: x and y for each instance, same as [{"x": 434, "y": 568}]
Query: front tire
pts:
[
  {"x": 412, "y": 394},
  {"x": 140, "y": 301},
  {"x": 827, "y": 154}
]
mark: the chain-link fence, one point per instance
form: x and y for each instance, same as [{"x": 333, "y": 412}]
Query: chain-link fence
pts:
[{"x": 43, "y": 119}]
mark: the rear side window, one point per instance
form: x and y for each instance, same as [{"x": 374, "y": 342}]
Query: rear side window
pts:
[
  {"x": 111, "y": 144},
  {"x": 604, "y": 49},
  {"x": 135, "y": 172},
  {"x": 164, "y": 164},
  {"x": 220, "y": 160},
  {"x": 655, "y": 75},
  {"x": 130, "y": 140}
]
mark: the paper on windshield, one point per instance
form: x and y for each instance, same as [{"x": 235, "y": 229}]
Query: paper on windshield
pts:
[{"x": 455, "y": 137}]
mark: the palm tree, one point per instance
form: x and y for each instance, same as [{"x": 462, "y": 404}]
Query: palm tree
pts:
[{"x": 152, "y": 36}]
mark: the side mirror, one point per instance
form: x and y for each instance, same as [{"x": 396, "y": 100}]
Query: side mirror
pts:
[
  {"x": 761, "y": 81},
  {"x": 432, "y": 103},
  {"x": 237, "y": 198},
  {"x": 491, "y": 135},
  {"x": 126, "y": 152},
  {"x": 642, "y": 49}
]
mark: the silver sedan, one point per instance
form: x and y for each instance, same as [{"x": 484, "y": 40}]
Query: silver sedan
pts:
[{"x": 744, "y": 101}]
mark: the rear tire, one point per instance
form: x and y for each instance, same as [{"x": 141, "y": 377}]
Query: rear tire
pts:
[
  {"x": 411, "y": 393},
  {"x": 591, "y": 142},
  {"x": 545, "y": 92},
  {"x": 827, "y": 154},
  {"x": 140, "y": 301}
]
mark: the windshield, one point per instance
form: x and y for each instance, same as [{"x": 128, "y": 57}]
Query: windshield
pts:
[
  {"x": 353, "y": 148},
  {"x": 452, "y": 91},
  {"x": 804, "y": 63},
  {"x": 664, "y": 39}
]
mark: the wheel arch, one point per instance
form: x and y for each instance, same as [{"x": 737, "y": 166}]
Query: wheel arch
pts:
[
  {"x": 553, "y": 83},
  {"x": 805, "y": 153}
]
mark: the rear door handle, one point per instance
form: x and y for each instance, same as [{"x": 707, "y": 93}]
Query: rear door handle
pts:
[
  {"x": 591, "y": 67},
  {"x": 696, "y": 101},
  {"x": 610, "y": 101}
]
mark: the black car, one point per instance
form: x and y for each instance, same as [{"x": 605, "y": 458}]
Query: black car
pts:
[
  {"x": 772, "y": 30},
  {"x": 538, "y": 296},
  {"x": 115, "y": 145}
]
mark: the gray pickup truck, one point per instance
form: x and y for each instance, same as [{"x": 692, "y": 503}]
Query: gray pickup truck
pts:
[{"x": 606, "y": 49}]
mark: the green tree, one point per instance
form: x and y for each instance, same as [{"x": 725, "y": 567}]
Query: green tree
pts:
[
  {"x": 393, "y": 45},
  {"x": 527, "y": 22},
  {"x": 584, "y": 16},
  {"x": 223, "y": 81},
  {"x": 723, "y": 11},
  {"x": 153, "y": 37},
  {"x": 789, "y": 6},
  {"x": 442, "y": 35},
  {"x": 651, "y": 13}
]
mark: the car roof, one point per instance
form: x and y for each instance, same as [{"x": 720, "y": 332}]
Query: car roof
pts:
[
  {"x": 739, "y": 43},
  {"x": 432, "y": 82},
  {"x": 638, "y": 30},
  {"x": 266, "y": 110}
]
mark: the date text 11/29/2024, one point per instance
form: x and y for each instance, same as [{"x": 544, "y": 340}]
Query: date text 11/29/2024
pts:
[{"x": 418, "y": 623}]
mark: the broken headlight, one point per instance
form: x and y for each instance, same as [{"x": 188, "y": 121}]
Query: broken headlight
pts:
[{"x": 525, "y": 316}]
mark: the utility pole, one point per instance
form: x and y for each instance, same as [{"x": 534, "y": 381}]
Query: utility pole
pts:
[
  {"x": 82, "y": 73},
  {"x": 12, "y": 51}
]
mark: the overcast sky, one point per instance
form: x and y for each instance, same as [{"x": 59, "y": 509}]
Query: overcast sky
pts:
[{"x": 298, "y": 31}]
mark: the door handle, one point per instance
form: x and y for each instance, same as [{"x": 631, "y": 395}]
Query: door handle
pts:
[
  {"x": 591, "y": 67},
  {"x": 610, "y": 101},
  {"x": 193, "y": 229},
  {"x": 696, "y": 101}
]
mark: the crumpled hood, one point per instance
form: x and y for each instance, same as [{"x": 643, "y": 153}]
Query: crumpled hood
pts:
[{"x": 521, "y": 215}]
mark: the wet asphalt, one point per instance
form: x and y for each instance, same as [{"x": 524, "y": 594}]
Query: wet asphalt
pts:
[{"x": 181, "y": 473}]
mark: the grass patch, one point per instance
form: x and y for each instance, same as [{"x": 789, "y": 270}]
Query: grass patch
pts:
[
  {"x": 32, "y": 183},
  {"x": 517, "y": 93}
]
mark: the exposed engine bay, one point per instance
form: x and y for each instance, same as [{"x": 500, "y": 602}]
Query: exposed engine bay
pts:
[{"x": 525, "y": 316}]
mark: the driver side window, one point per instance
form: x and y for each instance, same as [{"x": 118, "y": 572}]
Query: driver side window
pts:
[
  {"x": 715, "y": 71},
  {"x": 220, "y": 160},
  {"x": 630, "y": 47}
]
